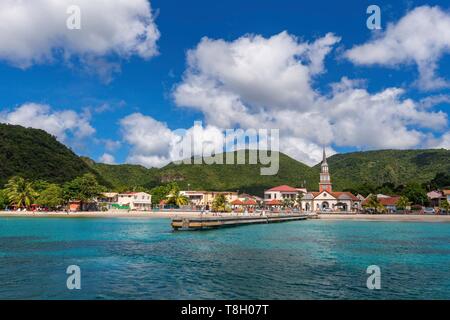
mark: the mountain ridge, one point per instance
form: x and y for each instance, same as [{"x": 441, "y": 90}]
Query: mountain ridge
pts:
[{"x": 35, "y": 154}]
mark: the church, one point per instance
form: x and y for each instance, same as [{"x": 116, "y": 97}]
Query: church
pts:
[{"x": 327, "y": 200}]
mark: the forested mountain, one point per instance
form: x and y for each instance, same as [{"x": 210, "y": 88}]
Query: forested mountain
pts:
[{"x": 36, "y": 155}]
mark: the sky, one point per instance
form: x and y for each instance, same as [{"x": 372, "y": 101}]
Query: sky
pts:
[{"x": 119, "y": 89}]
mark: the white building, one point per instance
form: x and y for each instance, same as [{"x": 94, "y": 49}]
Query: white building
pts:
[
  {"x": 139, "y": 201},
  {"x": 206, "y": 198},
  {"x": 281, "y": 193},
  {"x": 326, "y": 200}
]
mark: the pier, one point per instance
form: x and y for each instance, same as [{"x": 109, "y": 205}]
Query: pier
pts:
[{"x": 199, "y": 223}]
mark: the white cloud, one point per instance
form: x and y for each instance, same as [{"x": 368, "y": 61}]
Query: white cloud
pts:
[
  {"x": 256, "y": 82},
  {"x": 35, "y": 32},
  {"x": 421, "y": 37},
  {"x": 107, "y": 158},
  {"x": 155, "y": 145},
  {"x": 64, "y": 125}
]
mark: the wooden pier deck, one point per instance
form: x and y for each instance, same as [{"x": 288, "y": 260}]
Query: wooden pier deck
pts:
[{"x": 182, "y": 223}]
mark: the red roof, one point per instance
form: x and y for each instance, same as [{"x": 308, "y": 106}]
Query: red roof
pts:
[
  {"x": 446, "y": 192},
  {"x": 283, "y": 188},
  {"x": 249, "y": 202},
  {"x": 273, "y": 202},
  {"x": 237, "y": 202},
  {"x": 391, "y": 201},
  {"x": 351, "y": 195}
]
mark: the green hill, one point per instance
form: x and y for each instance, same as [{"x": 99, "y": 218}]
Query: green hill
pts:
[
  {"x": 242, "y": 177},
  {"x": 35, "y": 154},
  {"x": 122, "y": 176},
  {"x": 350, "y": 170}
]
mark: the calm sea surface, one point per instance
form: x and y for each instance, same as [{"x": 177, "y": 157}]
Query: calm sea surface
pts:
[{"x": 144, "y": 259}]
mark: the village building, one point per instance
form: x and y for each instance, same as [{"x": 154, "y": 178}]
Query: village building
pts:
[
  {"x": 139, "y": 201},
  {"x": 206, "y": 198},
  {"x": 280, "y": 193},
  {"x": 388, "y": 202},
  {"x": 327, "y": 200}
]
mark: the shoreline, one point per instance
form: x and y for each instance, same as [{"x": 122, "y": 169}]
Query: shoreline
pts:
[
  {"x": 386, "y": 217},
  {"x": 160, "y": 215}
]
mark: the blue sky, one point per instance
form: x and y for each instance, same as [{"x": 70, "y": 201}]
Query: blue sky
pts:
[{"x": 146, "y": 86}]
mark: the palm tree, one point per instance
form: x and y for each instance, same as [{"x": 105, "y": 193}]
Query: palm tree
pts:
[
  {"x": 20, "y": 192},
  {"x": 374, "y": 203},
  {"x": 176, "y": 198},
  {"x": 403, "y": 202}
]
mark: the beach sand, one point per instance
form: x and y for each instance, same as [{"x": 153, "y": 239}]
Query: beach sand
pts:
[{"x": 169, "y": 214}]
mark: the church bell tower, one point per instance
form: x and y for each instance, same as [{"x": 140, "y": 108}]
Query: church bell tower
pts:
[{"x": 325, "y": 181}]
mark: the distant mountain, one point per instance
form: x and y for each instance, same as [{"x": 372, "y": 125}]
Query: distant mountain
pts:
[
  {"x": 242, "y": 177},
  {"x": 350, "y": 170},
  {"x": 35, "y": 154},
  {"x": 122, "y": 176}
]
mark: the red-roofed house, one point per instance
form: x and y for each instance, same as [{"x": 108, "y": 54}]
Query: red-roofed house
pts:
[{"x": 280, "y": 193}]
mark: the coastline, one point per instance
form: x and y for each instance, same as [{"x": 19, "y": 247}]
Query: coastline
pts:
[
  {"x": 168, "y": 214},
  {"x": 386, "y": 217}
]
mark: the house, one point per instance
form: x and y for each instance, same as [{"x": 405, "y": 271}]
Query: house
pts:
[
  {"x": 326, "y": 200},
  {"x": 108, "y": 200},
  {"x": 281, "y": 193},
  {"x": 389, "y": 202},
  {"x": 206, "y": 198},
  {"x": 139, "y": 201}
]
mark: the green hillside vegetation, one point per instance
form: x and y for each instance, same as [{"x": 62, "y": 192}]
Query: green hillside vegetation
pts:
[
  {"x": 387, "y": 167},
  {"x": 125, "y": 176},
  {"x": 242, "y": 177},
  {"x": 37, "y": 155}
]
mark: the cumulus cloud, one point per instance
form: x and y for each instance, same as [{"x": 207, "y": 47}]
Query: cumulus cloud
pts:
[
  {"x": 257, "y": 82},
  {"x": 64, "y": 124},
  {"x": 35, "y": 32},
  {"x": 154, "y": 144},
  {"x": 421, "y": 37},
  {"x": 107, "y": 158}
]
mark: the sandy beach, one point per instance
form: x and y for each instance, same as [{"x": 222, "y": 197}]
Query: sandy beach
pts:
[{"x": 169, "y": 214}]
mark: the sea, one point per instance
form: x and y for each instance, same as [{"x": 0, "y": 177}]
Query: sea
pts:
[{"x": 141, "y": 258}]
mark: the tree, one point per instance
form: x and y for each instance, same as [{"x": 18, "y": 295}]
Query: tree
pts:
[
  {"x": 287, "y": 203},
  {"x": 219, "y": 203},
  {"x": 299, "y": 198},
  {"x": 416, "y": 194},
  {"x": 51, "y": 197},
  {"x": 83, "y": 189},
  {"x": 445, "y": 205},
  {"x": 374, "y": 203},
  {"x": 161, "y": 193},
  {"x": 4, "y": 200},
  {"x": 176, "y": 198},
  {"x": 441, "y": 180},
  {"x": 403, "y": 202},
  {"x": 20, "y": 192}
]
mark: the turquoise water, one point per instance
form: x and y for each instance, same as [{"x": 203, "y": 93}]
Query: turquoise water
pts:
[{"x": 144, "y": 259}]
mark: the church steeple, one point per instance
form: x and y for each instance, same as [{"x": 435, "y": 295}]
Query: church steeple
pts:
[{"x": 325, "y": 180}]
